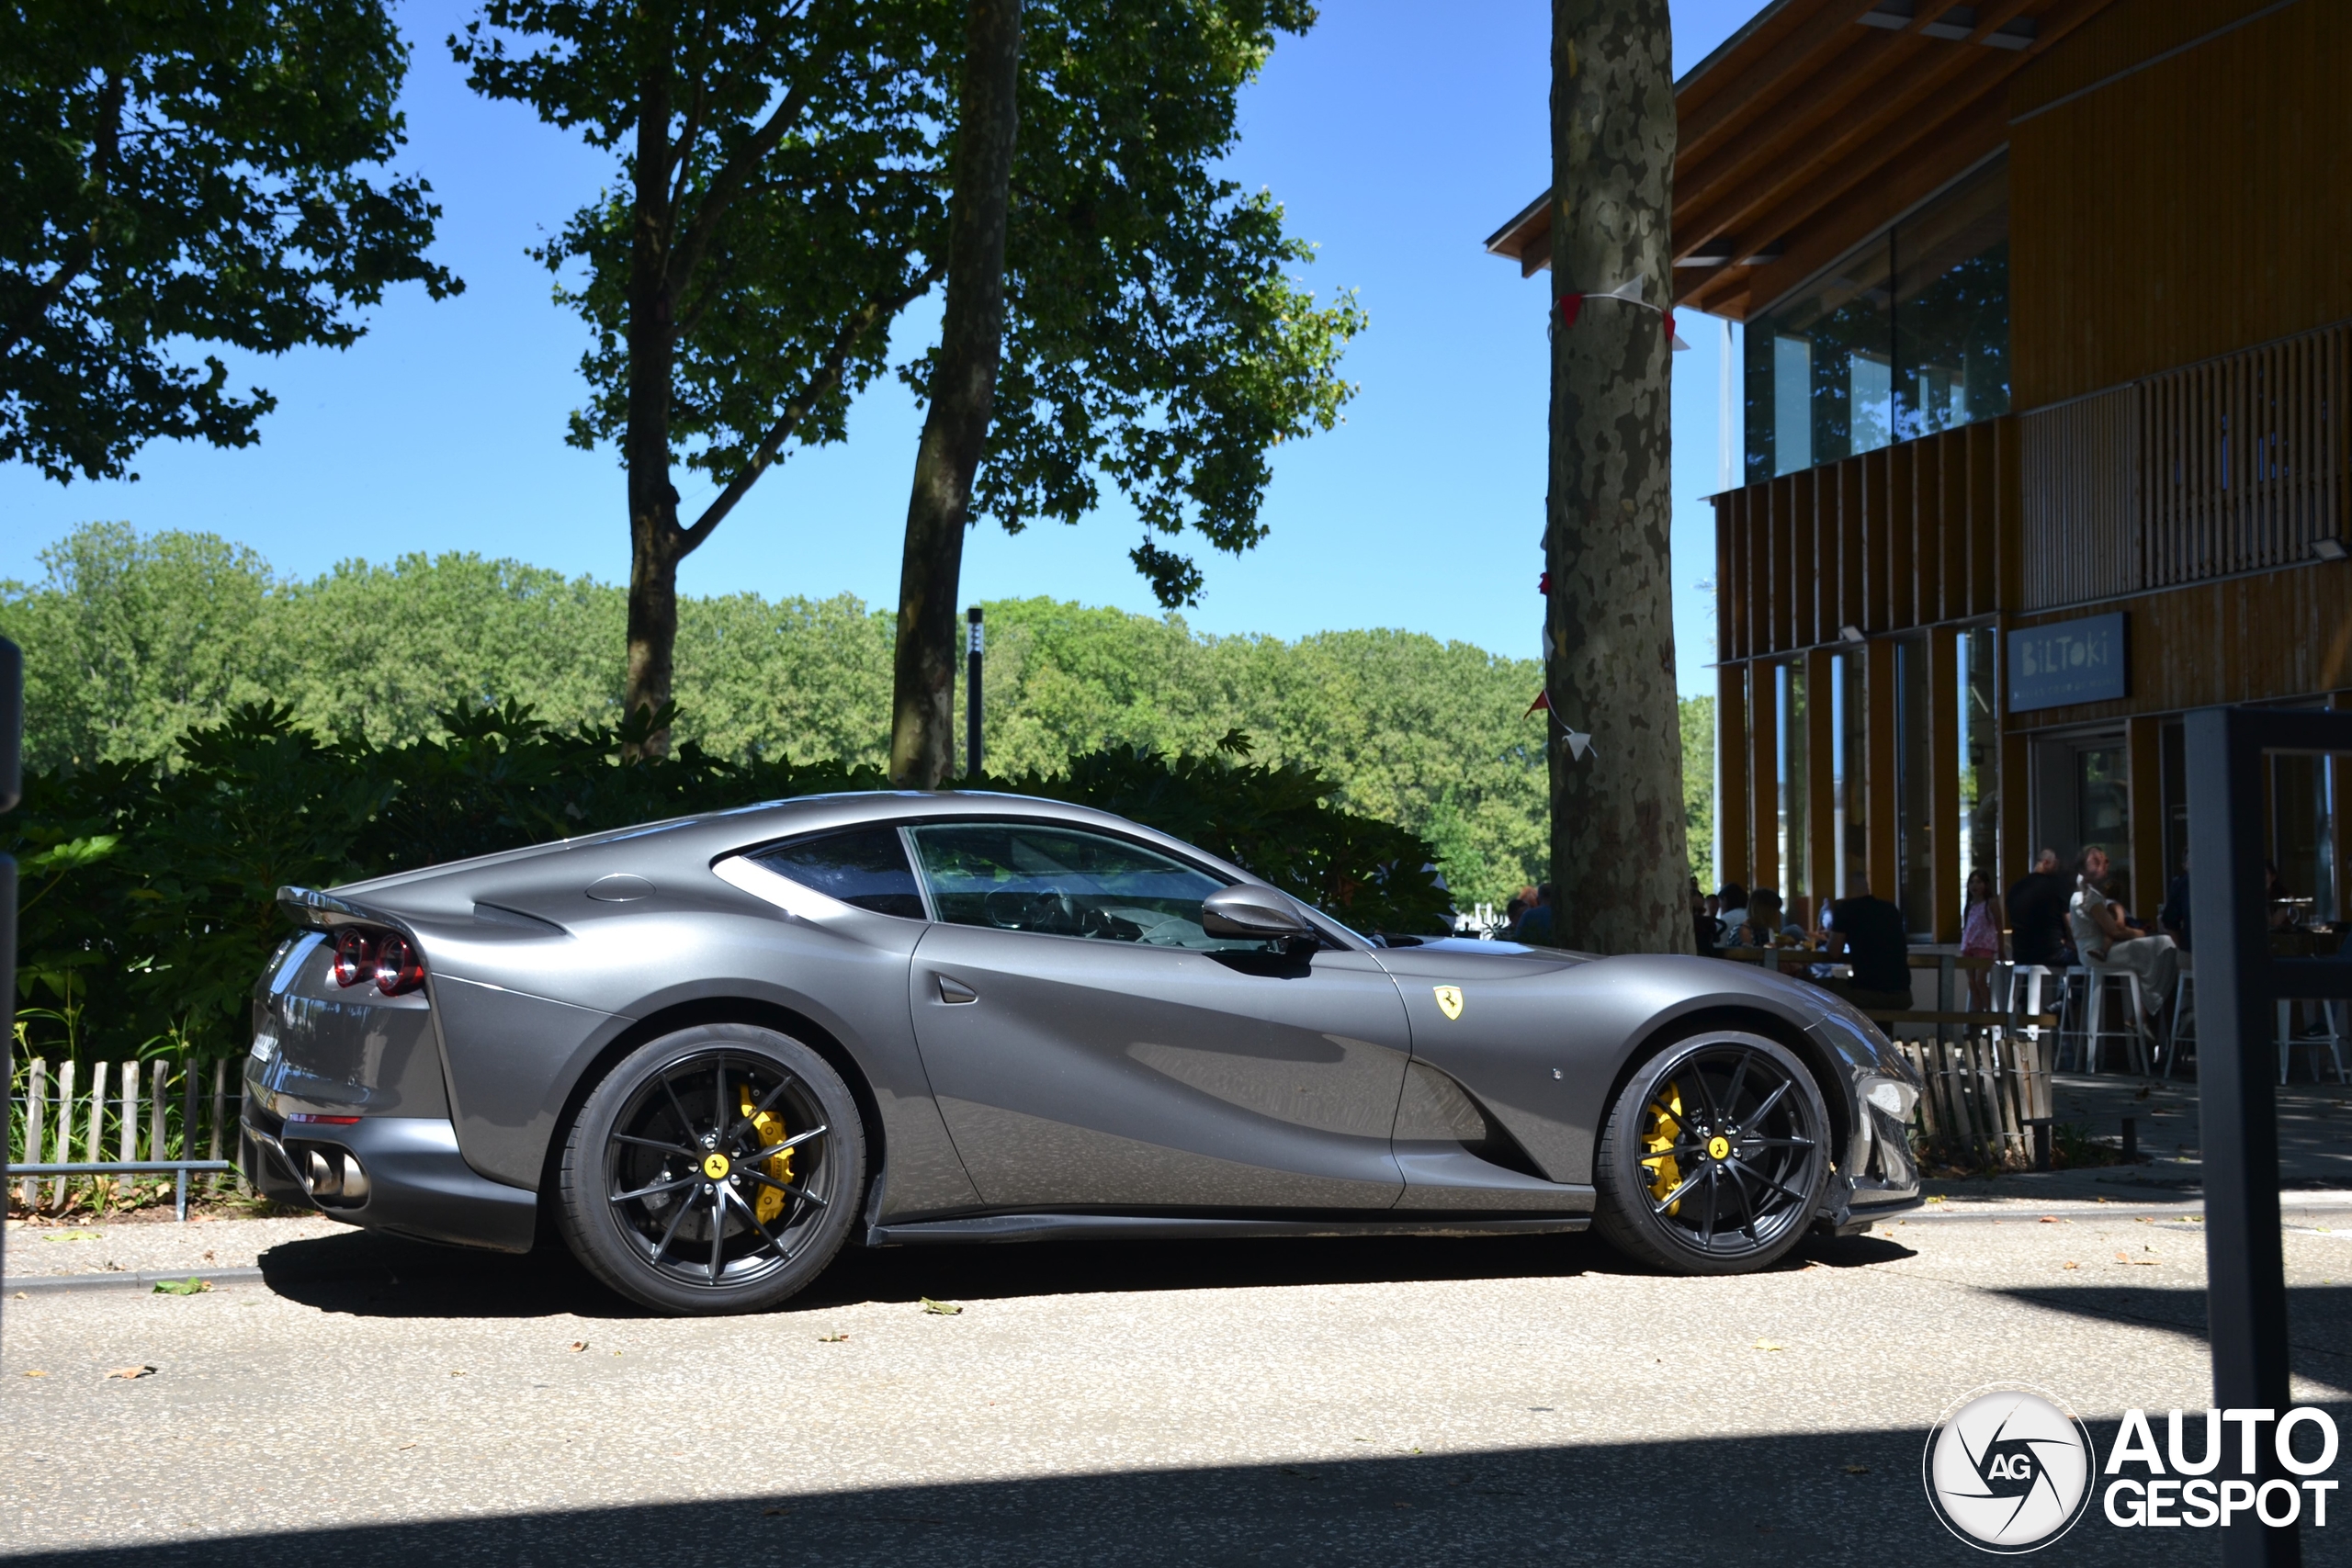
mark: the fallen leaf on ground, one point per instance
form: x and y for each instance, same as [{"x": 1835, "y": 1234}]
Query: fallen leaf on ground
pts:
[
  {"x": 32, "y": 1374},
  {"x": 944, "y": 1309},
  {"x": 131, "y": 1372},
  {"x": 2072, "y": 1264},
  {"x": 191, "y": 1286},
  {"x": 71, "y": 1235},
  {"x": 580, "y": 1344},
  {"x": 1858, "y": 1470},
  {"x": 208, "y": 1257},
  {"x": 2051, "y": 1220},
  {"x": 830, "y": 1339},
  {"x": 1936, "y": 1198},
  {"x": 403, "y": 1448},
  {"x": 1769, "y": 1345},
  {"x": 457, "y": 1375}
]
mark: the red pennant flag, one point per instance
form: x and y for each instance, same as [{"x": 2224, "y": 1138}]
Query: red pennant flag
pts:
[
  {"x": 1571, "y": 305},
  {"x": 1669, "y": 321},
  {"x": 1542, "y": 703},
  {"x": 1544, "y": 584}
]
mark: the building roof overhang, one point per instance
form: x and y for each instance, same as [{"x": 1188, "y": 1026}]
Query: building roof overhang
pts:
[{"x": 1816, "y": 125}]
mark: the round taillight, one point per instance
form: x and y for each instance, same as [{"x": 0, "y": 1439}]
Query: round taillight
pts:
[
  {"x": 354, "y": 958},
  {"x": 398, "y": 967}
]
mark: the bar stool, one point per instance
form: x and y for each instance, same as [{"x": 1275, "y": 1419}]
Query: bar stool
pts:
[
  {"x": 2101, "y": 978},
  {"x": 2183, "y": 1018},
  {"x": 2288, "y": 1043}
]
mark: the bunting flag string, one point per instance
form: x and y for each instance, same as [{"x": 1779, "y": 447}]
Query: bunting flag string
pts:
[
  {"x": 1628, "y": 293},
  {"x": 1579, "y": 743}
]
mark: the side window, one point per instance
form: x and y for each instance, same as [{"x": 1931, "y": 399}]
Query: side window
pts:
[
  {"x": 864, "y": 866},
  {"x": 1058, "y": 882}
]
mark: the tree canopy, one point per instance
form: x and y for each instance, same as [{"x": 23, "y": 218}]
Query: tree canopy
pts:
[
  {"x": 132, "y": 640},
  {"x": 189, "y": 172}
]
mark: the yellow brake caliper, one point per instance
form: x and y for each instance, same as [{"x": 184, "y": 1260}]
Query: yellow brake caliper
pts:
[
  {"x": 768, "y": 1127},
  {"x": 1665, "y": 1131}
]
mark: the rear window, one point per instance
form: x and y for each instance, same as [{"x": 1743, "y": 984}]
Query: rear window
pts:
[{"x": 864, "y": 866}]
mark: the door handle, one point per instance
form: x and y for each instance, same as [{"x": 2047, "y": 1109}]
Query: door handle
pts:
[{"x": 956, "y": 991}]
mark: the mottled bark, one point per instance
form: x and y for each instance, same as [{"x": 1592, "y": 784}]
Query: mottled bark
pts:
[
  {"x": 963, "y": 396},
  {"x": 1619, "y": 862},
  {"x": 655, "y": 548}
]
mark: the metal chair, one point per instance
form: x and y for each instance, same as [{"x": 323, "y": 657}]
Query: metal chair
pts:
[
  {"x": 2332, "y": 1039},
  {"x": 2102, "y": 980},
  {"x": 2183, "y": 1018},
  {"x": 2016, "y": 995}
]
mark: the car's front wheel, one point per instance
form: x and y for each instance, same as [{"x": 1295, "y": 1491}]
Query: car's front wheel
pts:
[
  {"x": 716, "y": 1169},
  {"x": 1714, "y": 1156}
]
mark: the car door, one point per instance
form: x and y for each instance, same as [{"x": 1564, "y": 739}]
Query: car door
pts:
[{"x": 1091, "y": 1046}]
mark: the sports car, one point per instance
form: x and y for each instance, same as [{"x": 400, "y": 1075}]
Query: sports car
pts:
[{"x": 708, "y": 1052}]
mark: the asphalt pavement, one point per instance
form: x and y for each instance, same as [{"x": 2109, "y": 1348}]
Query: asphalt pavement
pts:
[{"x": 1521, "y": 1401}]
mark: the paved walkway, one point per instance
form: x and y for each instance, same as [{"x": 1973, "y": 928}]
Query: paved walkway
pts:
[{"x": 1522, "y": 1401}]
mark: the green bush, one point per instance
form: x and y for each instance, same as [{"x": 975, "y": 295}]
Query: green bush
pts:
[{"x": 148, "y": 890}]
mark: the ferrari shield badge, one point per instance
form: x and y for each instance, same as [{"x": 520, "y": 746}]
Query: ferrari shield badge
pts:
[{"x": 1449, "y": 999}]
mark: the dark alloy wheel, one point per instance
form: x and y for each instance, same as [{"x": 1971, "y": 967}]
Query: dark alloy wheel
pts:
[
  {"x": 715, "y": 1170},
  {"x": 1714, "y": 1158}
]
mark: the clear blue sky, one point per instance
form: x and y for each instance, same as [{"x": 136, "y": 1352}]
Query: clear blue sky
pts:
[{"x": 1397, "y": 134}]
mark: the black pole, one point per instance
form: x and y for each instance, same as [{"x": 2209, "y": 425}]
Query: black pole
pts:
[
  {"x": 972, "y": 752},
  {"x": 12, "y": 732},
  {"x": 2245, "y": 1270}
]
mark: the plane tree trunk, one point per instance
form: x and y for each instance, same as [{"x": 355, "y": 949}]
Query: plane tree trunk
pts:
[
  {"x": 1618, "y": 859},
  {"x": 962, "y": 396}
]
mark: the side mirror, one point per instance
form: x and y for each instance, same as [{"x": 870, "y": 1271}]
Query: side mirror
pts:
[{"x": 1247, "y": 911}]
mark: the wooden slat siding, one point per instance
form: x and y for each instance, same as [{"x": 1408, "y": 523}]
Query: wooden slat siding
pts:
[
  {"x": 2185, "y": 210},
  {"x": 1878, "y": 549},
  {"x": 1784, "y": 562},
  {"x": 1758, "y": 536},
  {"x": 2242, "y": 458},
  {"x": 1944, "y": 764},
  {"x": 1803, "y": 557},
  {"x": 1878, "y": 774},
  {"x": 2142, "y": 738},
  {"x": 1728, "y": 645},
  {"x": 1763, "y": 775},
  {"x": 1902, "y": 552},
  {"x": 1821, "y": 782},
  {"x": 2078, "y": 462},
  {"x": 2009, "y": 534},
  {"x": 1959, "y": 522},
  {"x": 1731, "y": 773},
  {"x": 1918, "y": 500},
  {"x": 1984, "y": 515},
  {"x": 1853, "y": 604}
]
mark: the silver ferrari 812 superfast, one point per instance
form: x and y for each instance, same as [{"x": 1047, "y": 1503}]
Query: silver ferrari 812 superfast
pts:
[{"x": 710, "y": 1052}]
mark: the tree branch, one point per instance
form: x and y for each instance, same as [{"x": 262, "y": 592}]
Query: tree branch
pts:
[
  {"x": 107, "y": 143},
  {"x": 732, "y": 176},
  {"x": 827, "y": 376}
]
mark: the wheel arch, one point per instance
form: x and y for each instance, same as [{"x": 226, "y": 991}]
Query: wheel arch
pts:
[{"x": 749, "y": 1011}]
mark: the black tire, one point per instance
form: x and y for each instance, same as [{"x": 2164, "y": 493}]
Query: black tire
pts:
[
  {"x": 654, "y": 1195},
  {"x": 1714, "y": 1158}
]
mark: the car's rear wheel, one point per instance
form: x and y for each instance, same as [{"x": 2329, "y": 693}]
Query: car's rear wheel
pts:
[
  {"x": 714, "y": 1170},
  {"x": 1714, "y": 1157}
]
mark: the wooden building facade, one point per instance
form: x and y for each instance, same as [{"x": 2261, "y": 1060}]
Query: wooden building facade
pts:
[{"x": 2048, "y": 321}]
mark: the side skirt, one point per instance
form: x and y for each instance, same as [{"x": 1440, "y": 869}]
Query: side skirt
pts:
[{"x": 1158, "y": 1227}]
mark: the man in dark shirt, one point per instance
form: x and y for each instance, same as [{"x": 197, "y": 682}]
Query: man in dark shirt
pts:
[
  {"x": 2038, "y": 912},
  {"x": 1868, "y": 930}
]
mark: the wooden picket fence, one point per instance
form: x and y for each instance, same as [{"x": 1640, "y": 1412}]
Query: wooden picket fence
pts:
[
  {"x": 1984, "y": 1087},
  {"x": 100, "y": 1113}
]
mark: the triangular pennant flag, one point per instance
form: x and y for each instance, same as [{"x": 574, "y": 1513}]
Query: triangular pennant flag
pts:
[
  {"x": 1580, "y": 746},
  {"x": 1671, "y": 335},
  {"x": 1571, "y": 305},
  {"x": 1542, "y": 703},
  {"x": 1629, "y": 291},
  {"x": 1544, "y": 583}
]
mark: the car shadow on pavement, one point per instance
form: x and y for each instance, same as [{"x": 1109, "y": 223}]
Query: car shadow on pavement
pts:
[
  {"x": 1810, "y": 1499},
  {"x": 371, "y": 1275}
]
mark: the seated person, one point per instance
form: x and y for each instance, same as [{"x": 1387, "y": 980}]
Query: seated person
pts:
[
  {"x": 1868, "y": 930},
  {"x": 2038, "y": 914},
  {"x": 2102, "y": 937},
  {"x": 1763, "y": 925},
  {"x": 1731, "y": 913}
]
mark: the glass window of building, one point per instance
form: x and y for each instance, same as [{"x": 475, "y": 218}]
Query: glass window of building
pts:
[{"x": 1906, "y": 336}]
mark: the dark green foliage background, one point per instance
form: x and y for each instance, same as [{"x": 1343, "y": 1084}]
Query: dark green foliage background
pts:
[{"x": 1367, "y": 747}]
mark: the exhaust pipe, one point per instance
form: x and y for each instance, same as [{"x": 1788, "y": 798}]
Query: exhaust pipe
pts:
[{"x": 337, "y": 1178}]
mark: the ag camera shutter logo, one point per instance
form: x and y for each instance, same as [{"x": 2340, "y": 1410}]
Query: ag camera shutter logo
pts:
[{"x": 2009, "y": 1469}]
